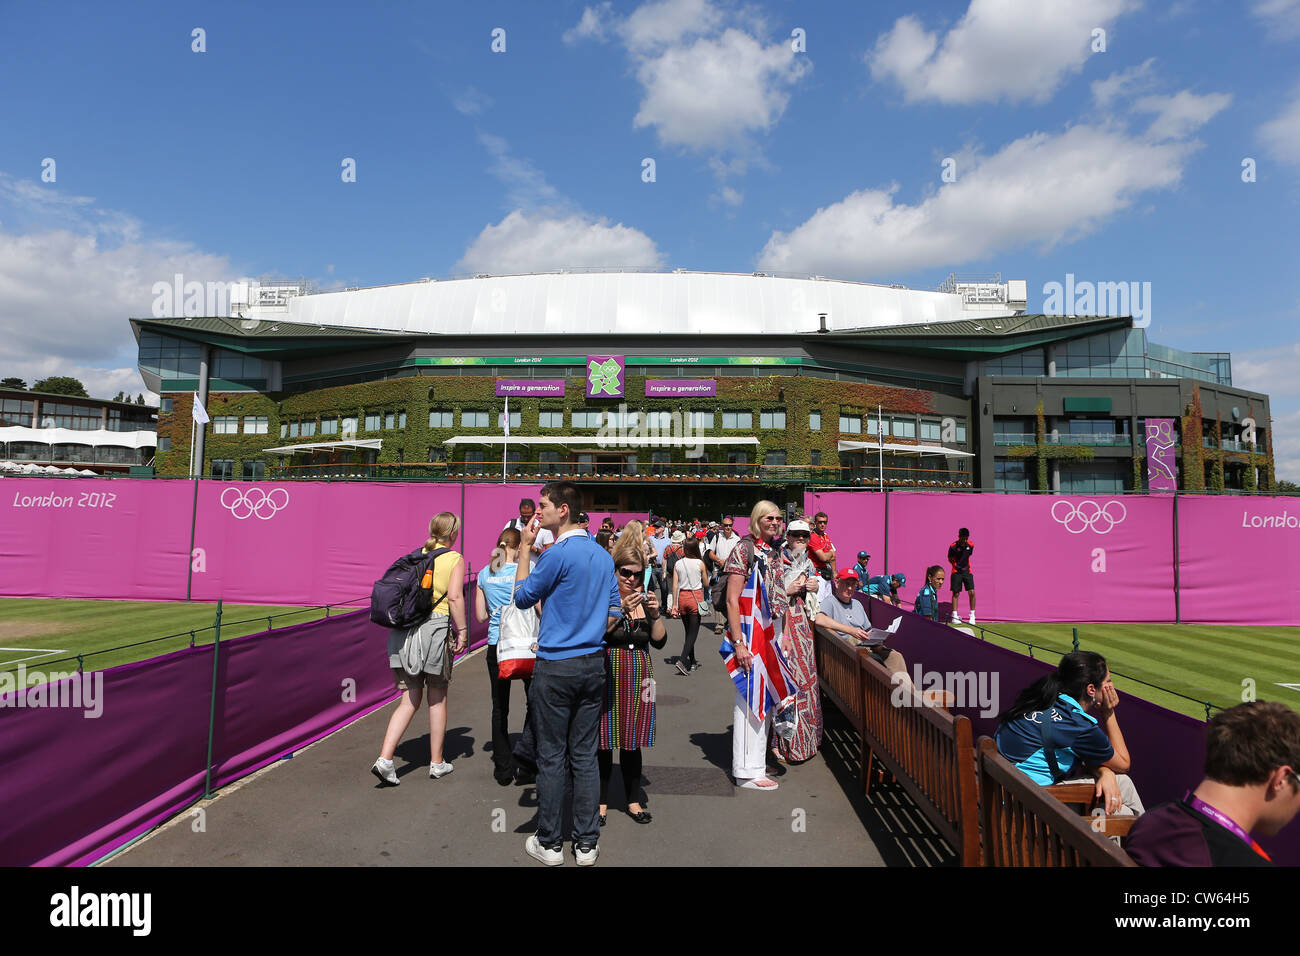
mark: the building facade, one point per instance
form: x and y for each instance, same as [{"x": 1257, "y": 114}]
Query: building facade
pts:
[{"x": 86, "y": 434}]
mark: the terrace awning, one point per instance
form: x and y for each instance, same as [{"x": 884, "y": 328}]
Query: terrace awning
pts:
[
  {"x": 96, "y": 438},
  {"x": 612, "y": 442},
  {"x": 896, "y": 449},
  {"x": 326, "y": 446}
]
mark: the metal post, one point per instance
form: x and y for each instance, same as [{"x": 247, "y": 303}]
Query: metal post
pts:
[
  {"x": 886, "y": 559},
  {"x": 194, "y": 511},
  {"x": 1076, "y": 638},
  {"x": 880, "y": 443},
  {"x": 1178, "y": 611},
  {"x": 212, "y": 705}
]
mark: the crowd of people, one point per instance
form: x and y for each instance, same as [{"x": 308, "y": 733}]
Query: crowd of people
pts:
[{"x": 603, "y": 598}]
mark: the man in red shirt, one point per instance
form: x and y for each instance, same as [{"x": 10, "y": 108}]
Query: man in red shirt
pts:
[{"x": 820, "y": 548}]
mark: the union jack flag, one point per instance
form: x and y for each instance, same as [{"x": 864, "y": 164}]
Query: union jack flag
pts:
[{"x": 768, "y": 681}]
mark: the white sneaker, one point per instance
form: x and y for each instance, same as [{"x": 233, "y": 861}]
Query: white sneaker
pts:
[
  {"x": 437, "y": 770},
  {"x": 543, "y": 855},
  {"x": 383, "y": 769},
  {"x": 586, "y": 856},
  {"x": 972, "y": 618},
  {"x": 956, "y": 618}
]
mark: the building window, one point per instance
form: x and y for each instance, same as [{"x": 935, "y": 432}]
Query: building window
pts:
[
  {"x": 550, "y": 419},
  {"x": 401, "y": 419},
  {"x": 816, "y": 457},
  {"x": 660, "y": 422},
  {"x": 164, "y": 443},
  {"x": 308, "y": 427},
  {"x": 329, "y": 426},
  {"x": 474, "y": 459},
  {"x": 225, "y": 425},
  {"x": 348, "y": 427},
  {"x": 1010, "y": 476},
  {"x": 253, "y": 470},
  {"x": 442, "y": 418},
  {"x": 223, "y": 468},
  {"x": 284, "y": 429},
  {"x": 814, "y": 421},
  {"x": 851, "y": 424},
  {"x": 931, "y": 430},
  {"x": 904, "y": 428},
  {"x": 551, "y": 460},
  {"x": 255, "y": 424},
  {"x": 588, "y": 419},
  {"x": 165, "y": 405},
  {"x": 516, "y": 419},
  {"x": 738, "y": 419},
  {"x": 373, "y": 421},
  {"x": 293, "y": 428},
  {"x": 961, "y": 433},
  {"x": 470, "y": 419},
  {"x": 877, "y": 426},
  {"x": 774, "y": 458},
  {"x": 701, "y": 421},
  {"x": 390, "y": 421},
  {"x": 773, "y": 419}
]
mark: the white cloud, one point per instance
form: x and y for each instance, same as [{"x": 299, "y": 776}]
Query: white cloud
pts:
[
  {"x": 71, "y": 274},
  {"x": 1012, "y": 49},
  {"x": 1275, "y": 371},
  {"x": 729, "y": 197},
  {"x": 1123, "y": 83},
  {"x": 471, "y": 101},
  {"x": 542, "y": 241},
  {"x": 525, "y": 184},
  {"x": 1183, "y": 113},
  {"x": 705, "y": 87},
  {"x": 1282, "y": 17},
  {"x": 1041, "y": 188},
  {"x": 1286, "y": 445},
  {"x": 1281, "y": 135}
]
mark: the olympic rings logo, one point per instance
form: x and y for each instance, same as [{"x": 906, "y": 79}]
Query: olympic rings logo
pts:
[
  {"x": 1089, "y": 514},
  {"x": 244, "y": 504}
]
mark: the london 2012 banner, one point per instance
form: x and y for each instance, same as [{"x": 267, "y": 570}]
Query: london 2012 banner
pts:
[{"x": 1162, "y": 468}]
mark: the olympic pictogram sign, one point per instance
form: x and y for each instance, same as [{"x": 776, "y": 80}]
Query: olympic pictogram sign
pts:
[
  {"x": 1085, "y": 515},
  {"x": 245, "y": 503}
]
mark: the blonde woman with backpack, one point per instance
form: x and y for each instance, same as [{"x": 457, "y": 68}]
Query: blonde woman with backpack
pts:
[{"x": 421, "y": 656}]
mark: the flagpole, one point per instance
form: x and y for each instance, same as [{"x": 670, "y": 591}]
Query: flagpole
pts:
[
  {"x": 880, "y": 442},
  {"x": 505, "y": 420},
  {"x": 191, "y": 472}
]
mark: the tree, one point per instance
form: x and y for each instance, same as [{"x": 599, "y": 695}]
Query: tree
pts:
[
  {"x": 139, "y": 399},
  {"x": 1287, "y": 486},
  {"x": 61, "y": 385},
  {"x": 17, "y": 383},
  {"x": 120, "y": 397}
]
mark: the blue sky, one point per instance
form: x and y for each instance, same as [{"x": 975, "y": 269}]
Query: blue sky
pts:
[{"x": 1114, "y": 164}]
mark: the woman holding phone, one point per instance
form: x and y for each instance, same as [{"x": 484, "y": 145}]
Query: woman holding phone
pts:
[{"x": 627, "y": 720}]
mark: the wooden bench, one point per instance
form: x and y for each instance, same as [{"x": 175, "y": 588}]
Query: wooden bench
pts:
[{"x": 1022, "y": 824}]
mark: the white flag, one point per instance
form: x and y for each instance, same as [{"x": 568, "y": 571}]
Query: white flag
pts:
[
  {"x": 199, "y": 412},
  {"x": 505, "y": 419}
]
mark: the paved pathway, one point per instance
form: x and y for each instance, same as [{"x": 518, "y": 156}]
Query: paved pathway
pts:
[{"x": 323, "y": 806}]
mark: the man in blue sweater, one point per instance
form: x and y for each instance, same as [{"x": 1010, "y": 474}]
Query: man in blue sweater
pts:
[{"x": 574, "y": 578}]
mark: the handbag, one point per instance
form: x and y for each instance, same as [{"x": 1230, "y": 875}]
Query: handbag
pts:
[{"x": 517, "y": 632}]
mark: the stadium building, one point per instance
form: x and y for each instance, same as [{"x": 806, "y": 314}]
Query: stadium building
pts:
[
  {"x": 684, "y": 390},
  {"x": 58, "y": 434}
]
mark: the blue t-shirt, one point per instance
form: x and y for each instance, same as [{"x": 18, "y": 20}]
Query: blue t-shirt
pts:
[
  {"x": 497, "y": 587},
  {"x": 1073, "y": 734},
  {"x": 879, "y": 586},
  {"x": 927, "y": 603},
  {"x": 575, "y": 577},
  {"x": 863, "y": 574}
]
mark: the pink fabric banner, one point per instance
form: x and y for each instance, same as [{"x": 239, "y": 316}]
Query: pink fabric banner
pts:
[
  {"x": 1239, "y": 559},
  {"x": 1037, "y": 557},
  {"x": 855, "y": 522},
  {"x": 125, "y": 539}
]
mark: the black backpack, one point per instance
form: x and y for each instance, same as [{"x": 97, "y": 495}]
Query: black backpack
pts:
[{"x": 400, "y": 598}]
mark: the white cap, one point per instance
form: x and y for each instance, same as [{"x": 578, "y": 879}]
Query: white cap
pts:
[{"x": 798, "y": 525}]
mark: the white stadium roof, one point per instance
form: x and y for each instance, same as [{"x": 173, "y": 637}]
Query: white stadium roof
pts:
[{"x": 628, "y": 303}]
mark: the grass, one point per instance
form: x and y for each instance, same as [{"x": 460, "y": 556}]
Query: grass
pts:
[
  {"x": 1209, "y": 664},
  {"x": 87, "y": 627}
]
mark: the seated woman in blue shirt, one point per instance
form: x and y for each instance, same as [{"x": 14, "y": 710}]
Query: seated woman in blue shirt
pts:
[{"x": 1051, "y": 736}]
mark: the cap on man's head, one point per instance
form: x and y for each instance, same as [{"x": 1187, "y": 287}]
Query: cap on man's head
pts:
[
  {"x": 658, "y": 523},
  {"x": 900, "y": 579},
  {"x": 863, "y": 556},
  {"x": 678, "y": 537},
  {"x": 846, "y": 574},
  {"x": 582, "y": 517},
  {"x": 798, "y": 525},
  {"x": 700, "y": 534}
]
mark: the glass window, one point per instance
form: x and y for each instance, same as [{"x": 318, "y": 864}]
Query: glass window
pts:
[
  {"x": 702, "y": 421},
  {"x": 851, "y": 424},
  {"x": 931, "y": 429},
  {"x": 516, "y": 419},
  {"x": 583, "y": 418},
  {"x": 474, "y": 458},
  {"x": 816, "y": 457},
  {"x": 773, "y": 419},
  {"x": 961, "y": 433},
  {"x": 348, "y": 427},
  {"x": 1010, "y": 475},
  {"x": 329, "y": 426},
  {"x": 225, "y": 425},
  {"x": 390, "y": 421},
  {"x": 814, "y": 421},
  {"x": 659, "y": 421},
  {"x": 223, "y": 468},
  {"x": 293, "y": 428},
  {"x": 441, "y": 418},
  {"x": 774, "y": 458},
  {"x": 550, "y": 419},
  {"x": 253, "y": 470},
  {"x": 904, "y": 427},
  {"x": 373, "y": 421},
  {"x": 284, "y": 429},
  {"x": 165, "y": 405},
  {"x": 308, "y": 428},
  {"x": 164, "y": 443},
  {"x": 551, "y": 458},
  {"x": 255, "y": 424},
  {"x": 401, "y": 419},
  {"x": 738, "y": 420},
  {"x": 471, "y": 419}
]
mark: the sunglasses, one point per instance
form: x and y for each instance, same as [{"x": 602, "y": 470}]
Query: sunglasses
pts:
[
  {"x": 798, "y": 534},
  {"x": 629, "y": 573},
  {"x": 727, "y": 526}
]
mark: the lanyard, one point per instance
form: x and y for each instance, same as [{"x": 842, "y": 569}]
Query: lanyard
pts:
[{"x": 1223, "y": 820}]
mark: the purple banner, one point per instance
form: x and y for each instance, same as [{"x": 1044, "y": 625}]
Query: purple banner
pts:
[
  {"x": 530, "y": 387},
  {"x": 1162, "y": 466},
  {"x": 677, "y": 387},
  {"x": 605, "y": 376}
]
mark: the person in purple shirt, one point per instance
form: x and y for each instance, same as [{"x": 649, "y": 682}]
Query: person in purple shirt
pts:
[
  {"x": 1252, "y": 757},
  {"x": 574, "y": 578}
]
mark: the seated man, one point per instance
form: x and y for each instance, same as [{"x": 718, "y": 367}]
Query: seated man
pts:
[
  {"x": 844, "y": 616},
  {"x": 1252, "y": 755}
]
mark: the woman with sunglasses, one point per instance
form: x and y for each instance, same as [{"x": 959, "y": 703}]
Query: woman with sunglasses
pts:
[
  {"x": 801, "y": 582},
  {"x": 627, "y": 720}
]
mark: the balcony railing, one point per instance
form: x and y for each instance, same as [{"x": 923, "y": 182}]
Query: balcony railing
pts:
[
  {"x": 1027, "y": 438},
  {"x": 1230, "y": 444}
]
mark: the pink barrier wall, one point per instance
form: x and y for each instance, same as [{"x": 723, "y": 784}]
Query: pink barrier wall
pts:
[
  {"x": 856, "y": 522},
  {"x": 1239, "y": 559},
  {"x": 126, "y": 539}
]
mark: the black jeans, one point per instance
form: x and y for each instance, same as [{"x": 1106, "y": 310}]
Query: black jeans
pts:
[
  {"x": 691, "y": 622},
  {"x": 565, "y": 701},
  {"x": 502, "y": 758}
]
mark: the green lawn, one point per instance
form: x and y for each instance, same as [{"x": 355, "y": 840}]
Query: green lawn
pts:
[
  {"x": 73, "y": 626},
  {"x": 1203, "y": 662}
]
